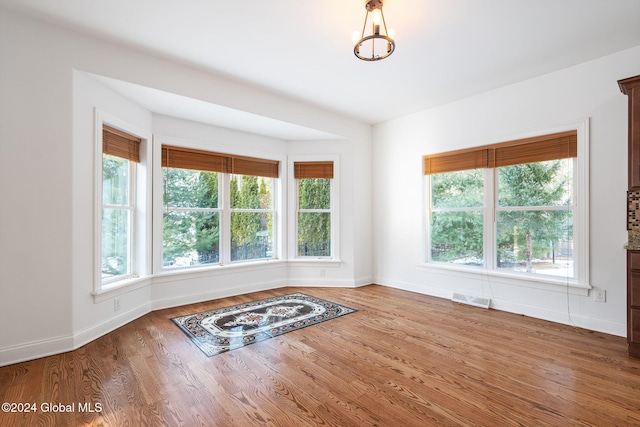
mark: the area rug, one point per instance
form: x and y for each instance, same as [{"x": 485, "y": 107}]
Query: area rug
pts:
[{"x": 229, "y": 328}]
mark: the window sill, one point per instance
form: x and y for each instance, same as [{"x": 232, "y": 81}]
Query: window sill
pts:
[
  {"x": 311, "y": 262},
  {"x": 217, "y": 269},
  {"x": 221, "y": 268},
  {"x": 120, "y": 287},
  {"x": 557, "y": 284}
]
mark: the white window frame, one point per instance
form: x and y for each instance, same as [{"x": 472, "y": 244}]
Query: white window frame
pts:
[
  {"x": 140, "y": 196},
  {"x": 580, "y": 283},
  {"x": 131, "y": 208},
  {"x": 230, "y": 210},
  {"x": 294, "y": 195},
  {"x": 219, "y": 210},
  {"x": 224, "y": 207}
]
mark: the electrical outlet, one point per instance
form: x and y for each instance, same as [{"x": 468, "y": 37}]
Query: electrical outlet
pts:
[
  {"x": 600, "y": 295},
  {"x": 322, "y": 272},
  {"x": 116, "y": 304}
]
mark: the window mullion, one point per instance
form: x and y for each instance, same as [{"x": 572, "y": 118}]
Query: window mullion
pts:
[
  {"x": 225, "y": 219},
  {"x": 179, "y": 209},
  {"x": 490, "y": 203},
  {"x": 131, "y": 244}
]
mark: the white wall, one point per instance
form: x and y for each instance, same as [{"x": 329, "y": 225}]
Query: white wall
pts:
[
  {"x": 35, "y": 191},
  {"x": 47, "y": 191},
  {"x": 588, "y": 90},
  {"x": 91, "y": 319}
]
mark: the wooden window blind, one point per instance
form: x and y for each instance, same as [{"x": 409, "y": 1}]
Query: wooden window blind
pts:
[
  {"x": 313, "y": 170},
  {"x": 455, "y": 161},
  {"x": 253, "y": 166},
  {"x": 537, "y": 149},
  {"x": 188, "y": 158},
  {"x": 120, "y": 144}
]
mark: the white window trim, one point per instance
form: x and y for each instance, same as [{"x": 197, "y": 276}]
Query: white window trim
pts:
[
  {"x": 580, "y": 284},
  {"x": 131, "y": 207},
  {"x": 225, "y": 254},
  {"x": 273, "y": 211},
  {"x": 141, "y": 228},
  {"x": 293, "y": 208}
]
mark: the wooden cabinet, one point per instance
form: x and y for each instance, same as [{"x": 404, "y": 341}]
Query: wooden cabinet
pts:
[
  {"x": 633, "y": 302},
  {"x": 631, "y": 88}
]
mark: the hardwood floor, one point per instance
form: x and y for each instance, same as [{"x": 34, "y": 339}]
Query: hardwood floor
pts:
[{"x": 403, "y": 359}]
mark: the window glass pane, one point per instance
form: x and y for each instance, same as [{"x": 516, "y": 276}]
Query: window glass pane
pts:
[
  {"x": 314, "y": 234},
  {"x": 456, "y": 237},
  {"x": 190, "y": 238},
  {"x": 539, "y": 241},
  {"x": 116, "y": 228},
  {"x": 251, "y": 235},
  {"x": 536, "y": 184},
  {"x": 115, "y": 180},
  {"x": 251, "y": 192},
  {"x": 315, "y": 193},
  {"x": 458, "y": 189},
  {"x": 185, "y": 188}
]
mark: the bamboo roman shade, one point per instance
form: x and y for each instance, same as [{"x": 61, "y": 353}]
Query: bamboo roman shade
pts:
[
  {"x": 313, "y": 170},
  {"x": 455, "y": 162},
  {"x": 188, "y": 158},
  {"x": 120, "y": 144},
  {"x": 537, "y": 149}
]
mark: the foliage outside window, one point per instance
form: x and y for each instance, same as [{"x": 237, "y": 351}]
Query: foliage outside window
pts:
[
  {"x": 120, "y": 154},
  {"x": 534, "y": 220},
  {"x": 457, "y": 217},
  {"x": 251, "y": 217},
  {"x": 516, "y": 199},
  {"x": 218, "y": 208},
  {"x": 314, "y": 208},
  {"x": 191, "y": 219}
]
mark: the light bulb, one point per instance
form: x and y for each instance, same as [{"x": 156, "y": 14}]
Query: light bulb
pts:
[
  {"x": 355, "y": 36},
  {"x": 392, "y": 33},
  {"x": 377, "y": 17}
]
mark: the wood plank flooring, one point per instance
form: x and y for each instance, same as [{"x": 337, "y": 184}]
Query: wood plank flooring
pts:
[{"x": 403, "y": 359}]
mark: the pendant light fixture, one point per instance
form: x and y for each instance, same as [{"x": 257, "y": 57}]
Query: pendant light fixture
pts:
[{"x": 379, "y": 43}]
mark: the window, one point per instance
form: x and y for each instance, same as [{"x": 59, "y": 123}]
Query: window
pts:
[
  {"x": 457, "y": 217},
  {"x": 508, "y": 207},
  {"x": 191, "y": 218},
  {"x": 534, "y": 218},
  {"x": 252, "y": 217},
  {"x": 314, "y": 213},
  {"x": 218, "y": 208},
  {"x": 120, "y": 155}
]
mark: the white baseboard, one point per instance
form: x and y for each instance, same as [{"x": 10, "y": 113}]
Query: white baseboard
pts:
[
  {"x": 412, "y": 287},
  {"x": 322, "y": 283},
  {"x": 363, "y": 281},
  {"x": 35, "y": 350},
  {"x": 572, "y": 319},
  {"x": 87, "y": 335},
  {"x": 43, "y": 348}
]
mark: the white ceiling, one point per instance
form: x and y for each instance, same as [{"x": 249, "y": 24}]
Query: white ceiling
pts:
[{"x": 302, "y": 49}]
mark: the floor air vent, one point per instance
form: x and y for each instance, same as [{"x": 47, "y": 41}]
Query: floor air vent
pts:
[{"x": 471, "y": 300}]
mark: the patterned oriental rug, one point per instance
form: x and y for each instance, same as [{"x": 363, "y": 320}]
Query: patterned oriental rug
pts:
[{"x": 229, "y": 328}]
